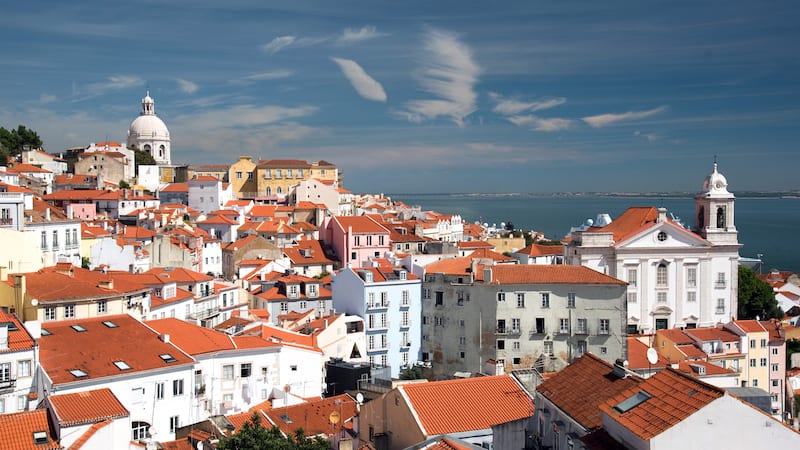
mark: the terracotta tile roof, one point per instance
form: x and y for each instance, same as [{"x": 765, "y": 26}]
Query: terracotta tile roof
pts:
[
  {"x": 485, "y": 253},
  {"x": 218, "y": 220},
  {"x": 446, "y": 443},
  {"x": 775, "y": 329},
  {"x": 179, "y": 444},
  {"x": 12, "y": 188},
  {"x": 192, "y": 339},
  {"x": 307, "y": 252},
  {"x": 313, "y": 417},
  {"x": 281, "y": 335},
  {"x": 359, "y": 224},
  {"x": 674, "y": 396},
  {"x": 27, "y": 168},
  {"x": 59, "y": 283},
  {"x": 454, "y": 266},
  {"x": 466, "y": 245},
  {"x": 86, "y": 407},
  {"x": 583, "y": 385},
  {"x": 238, "y": 420},
  {"x": 179, "y": 275},
  {"x": 547, "y": 274},
  {"x": 18, "y": 339},
  {"x": 95, "y": 350},
  {"x": 81, "y": 441},
  {"x": 453, "y": 406},
  {"x": 709, "y": 368},
  {"x": 676, "y": 335},
  {"x": 712, "y": 334},
  {"x": 176, "y": 187},
  {"x": 265, "y": 406},
  {"x": 690, "y": 351},
  {"x": 542, "y": 250},
  {"x": 282, "y": 163},
  {"x": 750, "y": 326},
  {"x": 16, "y": 431},
  {"x": 632, "y": 221},
  {"x": 205, "y": 178},
  {"x": 637, "y": 356}
]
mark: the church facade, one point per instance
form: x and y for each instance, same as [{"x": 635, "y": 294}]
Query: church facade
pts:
[{"x": 676, "y": 277}]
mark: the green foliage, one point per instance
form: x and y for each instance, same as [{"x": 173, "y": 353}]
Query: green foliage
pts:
[
  {"x": 13, "y": 141},
  {"x": 124, "y": 184},
  {"x": 142, "y": 157},
  {"x": 86, "y": 262},
  {"x": 412, "y": 373},
  {"x": 253, "y": 436},
  {"x": 756, "y": 297},
  {"x": 792, "y": 347}
]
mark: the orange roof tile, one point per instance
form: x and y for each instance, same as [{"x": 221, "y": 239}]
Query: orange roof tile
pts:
[
  {"x": 359, "y": 224},
  {"x": 313, "y": 417},
  {"x": 79, "y": 443},
  {"x": 547, "y": 274},
  {"x": 176, "y": 187},
  {"x": 637, "y": 356},
  {"x": 711, "y": 334},
  {"x": 86, "y": 407},
  {"x": 583, "y": 385},
  {"x": 466, "y": 245},
  {"x": 16, "y": 430},
  {"x": 18, "y": 339},
  {"x": 750, "y": 326},
  {"x": 542, "y": 250},
  {"x": 95, "y": 350},
  {"x": 453, "y": 406},
  {"x": 674, "y": 396},
  {"x": 192, "y": 339}
]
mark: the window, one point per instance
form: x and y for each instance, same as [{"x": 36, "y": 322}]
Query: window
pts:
[
  {"x": 159, "y": 391},
  {"x": 238, "y": 175},
  {"x": 303, "y": 305},
  {"x": 462, "y": 355},
  {"x": 353, "y": 255},
  {"x": 540, "y": 325},
  {"x": 776, "y": 383},
  {"x": 661, "y": 275},
  {"x": 245, "y": 370},
  {"x": 227, "y": 372},
  {"x": 582, "y": 326},
  {"x": 2, "y": 406},
  {"x": 662, "y": 324},
  {"x": 139, "y": 430},
  {"x": 74, "y": 237},
  {"x": 581, "y": 347},
  {"x": 293, "y": 290},
  {"x": 691, "y": 296},
  {"x": 177, "y": 387},
  {"x": 775, "y": 351},
  {"x": 5, "y": 371},
  {"x": 752, "y": 362},
  {"x": 173, "y": 424},
  {"x": 661, "y": 236},
  {"x": 462, "y": 340},
  {"x": 515, "y": 345},
  {"x": 404, "y": 319},
  {"x": 384, "y": 299},
  {"x": 288, "y": 173},
  {"x": 548, "y": 347},
  {"x": 631, "y": 297},
  {"x": 691, "y": 276},
  {"x": 101, "y": 307},
  {"x": 545, "y": 300},
  {"x": 249, "y": 177},
  {"x": 720, "y": 306},
  {"x": 720, "y": 283},
  {"x": 632, "y": 275},
  {"x": 501, "y": 296},
  {"x": 426, "y": 294},
  {"x": 384, "y": 320},
  {"x": 284, "y": 307},
  {"x": 661, "y": 297},
  {"x": 405, "y": 297},
  {"x": 44, "y": 240},
  {"x": 775, "y": 368},
  {"x": 763, "y": 362},
  {"x": 501, "y": 344},
  {"x": 69, "y": 311},
  {"x": 521, "y": 300},
  {"x": 563, "y": 326},
  {"x": 570, "y": 300},
  {"x": 515, "y": 325},
  {"x": 763, "y": 343},
  {"x": 752, "y": 343},
  {"x": 371, "y": 342},
  {"x": 755, "y": 382},
  {"x": 55, "y": 239},
  {"x": 439, "y": 298},
  {"x": 604, "y": 327},
  {"x": 461, "y": 323},
  {"x": 23, "y": 368},
  {"x": 50, "y": 313}
]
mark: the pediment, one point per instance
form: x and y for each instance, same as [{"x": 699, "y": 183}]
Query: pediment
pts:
[
  {"x": 663, "y": 309},
  {"x": 665, "y": 235}
]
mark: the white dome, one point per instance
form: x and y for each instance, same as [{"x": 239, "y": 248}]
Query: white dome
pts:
[
  {"x": 715, "y": 181},
  {"x": 148, "y": 127}
]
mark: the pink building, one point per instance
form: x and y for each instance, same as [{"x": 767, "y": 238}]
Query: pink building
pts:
[{"x": 356, "y": 239}]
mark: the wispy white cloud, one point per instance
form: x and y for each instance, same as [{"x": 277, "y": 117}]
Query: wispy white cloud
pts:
[
  {"x": 651, "y": 137},
  {"x": 354, "y": 35},
  {"x": 242, "y": 116},
  {"x": 46, "y": 98},
  {"x": 365, "y": 85},
  {"x": 449, "y": 72},
  {"x": 541, "y": 124},
  {"x": 186, "y": 86},
  {"x": 113, "y": 83},
  {"x": 603, "y": 120},
  {"x": 271, "y": 75},
  {"x": 513, "y": 106},
  {"x": 278, "y": 44}
]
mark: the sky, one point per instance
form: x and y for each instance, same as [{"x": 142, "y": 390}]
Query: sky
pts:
[{"x": 426, "y": 96}]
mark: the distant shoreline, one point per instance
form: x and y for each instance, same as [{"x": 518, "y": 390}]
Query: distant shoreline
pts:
[{"x": 790, "y": 195}]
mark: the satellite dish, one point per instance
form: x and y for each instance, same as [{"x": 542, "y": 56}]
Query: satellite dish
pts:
[
  {"x": 287, "y": 388},
  {"x": 360, "y": 397},
  {"x": 34, "y": 302},
  {"x": 652, "y": 355},
  {"x": 334, "y": 418}
]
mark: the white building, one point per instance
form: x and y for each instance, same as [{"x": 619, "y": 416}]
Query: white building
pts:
[
  {"x": 18, "y": 360},
  {"x": 207, "y": 193},
  {"x": 676, "y": 277},
  {"x": 149, "y": 133},
  {"x": 390, "y": 303}
]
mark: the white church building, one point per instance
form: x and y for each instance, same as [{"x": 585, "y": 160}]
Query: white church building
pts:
[
  {"x": 676, "y": 277},
  {"x": 149, "y": 133}
]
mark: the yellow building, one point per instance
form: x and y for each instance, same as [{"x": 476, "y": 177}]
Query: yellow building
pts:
[
  {"x": 241, "y": 176},
  {"x": 755, "y": 343},
  {"x": 273, "y": 179}
]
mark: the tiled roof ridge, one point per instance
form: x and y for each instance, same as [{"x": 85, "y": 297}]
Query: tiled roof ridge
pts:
[{"x": 89, "y": 433}]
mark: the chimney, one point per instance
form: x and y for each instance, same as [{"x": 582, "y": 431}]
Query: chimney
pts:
[
  {"x": 619, "y": 369},
  {"x": 662, "y": 215},
  {"x": 164, "y": 338},
  {"x": 487, "y": 274},
  {"x": 47, "y": 214}
]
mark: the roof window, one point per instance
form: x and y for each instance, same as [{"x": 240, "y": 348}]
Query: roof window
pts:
[
  {"x": 78, "y": 328},
  {"x": 122, "y": 365},
  {"x": 78, "y": 373},
  {"x": 46, "y": 332},
  {"x": 40, "y": 437},
  {"x": 110, "y": 324},
  {"x": 168, "y": 358},
  {"x": 632, "y": 402}
]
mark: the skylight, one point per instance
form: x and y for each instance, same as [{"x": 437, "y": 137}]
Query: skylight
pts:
[
  {"x": 46, "y": 332},
  {"x": 122, "y": 365},
  {"x": 78, "y": 373},
  {"x": 40, "y": 437},
  {"x": 110, "y": 324},
  {"x": 78, "y": 328},
  {"x": 168, "y": 358},
  {"x": 632, "y": 402}
]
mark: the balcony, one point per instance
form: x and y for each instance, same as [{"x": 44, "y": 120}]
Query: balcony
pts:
[
  {"x": 507, "y": 331},
  {"x": 720, "y": 310},
  {"x": 7, "y": 222},
  {"x": 406, "y": 324},
  {"x": 7, "y": 385},
  {"x": 719, "y": 284},
  {"x": 378, "y": 305},
  {"x": 205, "y": 313}
]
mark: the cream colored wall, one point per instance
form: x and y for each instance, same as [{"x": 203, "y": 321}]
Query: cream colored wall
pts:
[{"x": 21, "y": 251}]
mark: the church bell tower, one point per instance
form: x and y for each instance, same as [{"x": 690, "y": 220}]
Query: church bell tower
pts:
[{"x": 714, "y": 218}]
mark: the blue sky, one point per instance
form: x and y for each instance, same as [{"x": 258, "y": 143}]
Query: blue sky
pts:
[{"x": 427, "y": 96}]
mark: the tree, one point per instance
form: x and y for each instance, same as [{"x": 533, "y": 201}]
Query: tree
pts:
[
  {"x": 141, "y": 157},
  {"x": 13, "y": 141},
  {"x": 756, "y": 297},
  {"x": 412, "y": 373},
  {"x": 253, "y": 436}
]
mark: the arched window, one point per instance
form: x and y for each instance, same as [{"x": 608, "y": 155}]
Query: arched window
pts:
[
  {"x": 661, "y": 274},
  {"x": 161, "y": 151},
  {"x": 279, "y": 191},
  {"x": 701, "y": 219},
  {"x": 269, "y": 190},
  {"x": 721, "y": 217},
  {"x": 147, "y": 148}
]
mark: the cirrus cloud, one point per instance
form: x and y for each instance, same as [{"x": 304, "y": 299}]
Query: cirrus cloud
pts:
[
  {"x": 602, "y": 120},
  {"x": 354, "y": 35},
  {"x": 540, "y": 124},
  {"x": 365, "y": 85},
  {"x": 512, "y": 106},
  {"x": 187, "y": 86}
]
